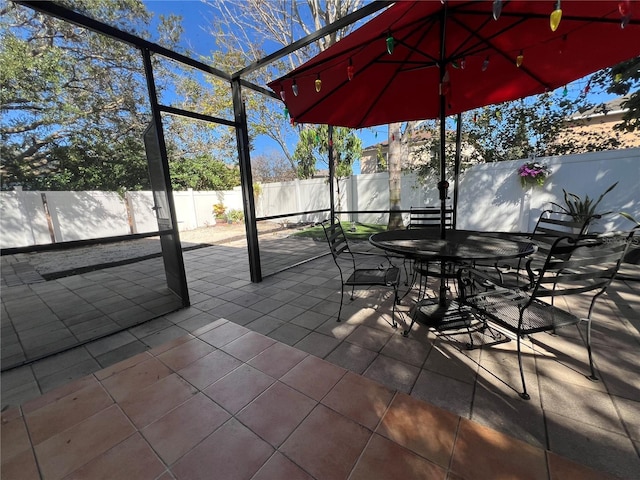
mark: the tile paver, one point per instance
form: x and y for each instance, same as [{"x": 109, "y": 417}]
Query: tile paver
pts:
[{"x": 477, "y": 389}]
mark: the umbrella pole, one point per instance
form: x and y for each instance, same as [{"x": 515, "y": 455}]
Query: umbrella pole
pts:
[
  {"x": 456, "y": 169},
  {"x": 443, "y": 185},
  {"x": 332, "y": 174}
]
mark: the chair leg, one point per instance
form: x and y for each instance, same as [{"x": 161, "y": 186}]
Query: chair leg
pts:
[
  {"x": 406, "y": 272},
  {"x": 406, "y": 332},
  {"x": 410, "y": 284},
  {"x": 341, "y": 299},
  {"x": 413, "y": 312},
  {"x": 353, "y": 287},
  {"x": 470, "y": 345},
  {"x": 396, "y": 301},
  {"x": 593, "y": 377},
  {"x": 524, "y": 393}
]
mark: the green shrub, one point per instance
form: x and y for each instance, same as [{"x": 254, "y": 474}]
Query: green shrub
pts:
[{"x": 235, "y": 216}]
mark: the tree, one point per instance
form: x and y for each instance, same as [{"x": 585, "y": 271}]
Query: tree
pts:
[
  {"x": 203, "y": 173},
  {"x": 246, "y": 25},
  {"x": 313, "y": 148},
  {"x": 208, "y": 95},
  {"x": 518, "y": 129},
  {"x": 88, "y": 165},
  {"x": 249, "y": 24},
  {"x": 624, "y": 79},
  {"x": 395, "y": 153},
  {"x": 539, "y": 125},
  {"x": 271, "y": 168},
  {"x": 64, "y": 88}
]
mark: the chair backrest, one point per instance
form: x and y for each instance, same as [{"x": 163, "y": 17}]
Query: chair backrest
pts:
[
  {"x": 558, "y": 224},
  {"x": 337, "y": 240},
  {"x": 580, "y": 264},
  {"x": 429, "y": 217},
  {"x": 552, "y": 225}
]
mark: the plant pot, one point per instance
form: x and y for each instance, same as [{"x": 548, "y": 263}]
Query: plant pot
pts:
[{"x": 530, "y": 182}]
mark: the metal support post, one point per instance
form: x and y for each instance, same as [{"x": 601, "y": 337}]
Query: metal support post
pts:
[{"x": 246, "y": 178}]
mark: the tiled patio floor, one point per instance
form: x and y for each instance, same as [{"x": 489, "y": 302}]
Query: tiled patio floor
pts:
[
  {"x": 594, "y": 424},
  {"x": 228, "y": 403}
]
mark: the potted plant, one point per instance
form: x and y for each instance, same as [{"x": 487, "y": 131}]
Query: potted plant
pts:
[
  {"x": 533, "y": 173},
  {"x": 582, "y": 209},
  {"x": 219, "y": 211}
]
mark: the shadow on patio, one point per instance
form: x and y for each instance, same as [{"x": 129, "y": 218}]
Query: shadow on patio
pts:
[{"x": 237, "y": 372}]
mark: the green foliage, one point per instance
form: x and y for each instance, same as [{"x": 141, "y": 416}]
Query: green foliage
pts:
[
  {"x": 86, "y": 166},
  {"x": 66, "y": 92},
  {"x": 307, "y": 152},
  {"x": 208, "y": 95},
  {"x": 313, "y": 148},
  {"x": 203, "y": 173},
  {"x": 362, "y": 231},
  {"x": 629, "y": 217},
  {"x": 536, "y": 126},
  {"x": 235, "y": 216},
  {"x": 381, "y": 159},
  {"x": 624, "y": 80},
  {"x": 519, "y": 129},
  {"x": 582, "y": 209}
]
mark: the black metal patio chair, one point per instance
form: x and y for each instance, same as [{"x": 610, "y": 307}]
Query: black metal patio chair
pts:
[
  {"x": 351, "y": 275},
  {"x": 582, "y": 265},
  {"x": 550, "y": 226},
  {"x": 429, "y": 218}
]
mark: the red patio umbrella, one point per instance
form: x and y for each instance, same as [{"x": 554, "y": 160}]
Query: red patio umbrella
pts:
[
  {"x": 431, "y": 59},
  {"x": 462, "y": 40}
]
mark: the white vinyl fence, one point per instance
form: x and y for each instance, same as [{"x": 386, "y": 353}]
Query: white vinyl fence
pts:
[{"x": 490, "y": 198}]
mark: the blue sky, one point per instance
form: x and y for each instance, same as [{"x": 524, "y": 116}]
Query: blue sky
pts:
[{"x": 196, "y": 18}]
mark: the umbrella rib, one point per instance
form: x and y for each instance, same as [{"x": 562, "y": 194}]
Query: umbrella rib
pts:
[
  {"x": 427, "y": 30},
  {"x": 413, "y": 24},
  {"x": 467, "y": 40},
  {"x": 487, "y": 41},
  {"x": 377, "y": 58},
  {"x": 340, "y": 55},
  {"x": 424, "y": 34},
  {"x": 301, "y": 71}
]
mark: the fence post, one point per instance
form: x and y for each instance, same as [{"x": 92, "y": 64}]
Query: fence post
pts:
[
  {"x": 525, "y": 210},
  {"x": 129, "y": 209},
  {"x": 298, "y": 200},
  {"x": 194, "y": 210},
  {"x": 47, "y": 214},
  {"x": 353, "y": 197}
]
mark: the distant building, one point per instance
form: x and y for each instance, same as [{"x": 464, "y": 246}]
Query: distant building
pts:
[
  {"x": 592, "y": 127},
  {"x": 598, "y": 123},
  {"x": 422, "y": 147}
]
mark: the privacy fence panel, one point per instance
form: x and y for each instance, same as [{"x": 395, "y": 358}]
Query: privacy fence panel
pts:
[
  {"x": 22, "y": 219},
  {"x": 490, "y": 198}
]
